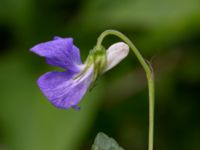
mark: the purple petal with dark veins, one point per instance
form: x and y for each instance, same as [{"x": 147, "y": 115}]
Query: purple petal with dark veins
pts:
[
  {"x": 60, "y": 52},
  {"x": 63, "y": 90}
]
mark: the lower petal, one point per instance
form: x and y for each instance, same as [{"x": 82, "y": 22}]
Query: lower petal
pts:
[{"x": 63, "y": 90}]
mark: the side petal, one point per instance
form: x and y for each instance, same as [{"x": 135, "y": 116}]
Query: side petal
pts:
[
  {"x": 59, "y": 52},
  {"x": 50, "y": 80},
  {"x": 63, "y": 90},
  {"x": 115, "y": 54}
]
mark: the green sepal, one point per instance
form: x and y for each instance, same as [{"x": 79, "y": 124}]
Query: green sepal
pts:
[{"x": 98, "y": 57}]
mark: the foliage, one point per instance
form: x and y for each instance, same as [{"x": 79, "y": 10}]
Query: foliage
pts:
[{"x": 103, "y": 142}]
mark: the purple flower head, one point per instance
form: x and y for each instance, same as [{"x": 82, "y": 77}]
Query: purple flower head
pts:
[{"x": 65, "y": 89}]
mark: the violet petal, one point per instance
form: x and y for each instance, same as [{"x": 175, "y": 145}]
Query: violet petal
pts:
[
  {"x": 60, "y": 52},
  {"x": 63, "y": 90}
]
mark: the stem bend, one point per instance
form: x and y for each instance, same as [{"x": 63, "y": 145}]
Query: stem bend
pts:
[{"x": 149, "y": 74}]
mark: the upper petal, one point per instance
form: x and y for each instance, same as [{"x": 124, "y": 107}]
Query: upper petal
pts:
[
  {"x": 62, "y": 89},
  {"x": 59, "y": 52}
]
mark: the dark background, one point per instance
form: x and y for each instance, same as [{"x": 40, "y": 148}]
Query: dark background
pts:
[{"x": 166, "y": 32}]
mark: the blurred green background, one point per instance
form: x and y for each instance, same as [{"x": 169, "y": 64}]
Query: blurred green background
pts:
[{"x": 166, "y": 32}]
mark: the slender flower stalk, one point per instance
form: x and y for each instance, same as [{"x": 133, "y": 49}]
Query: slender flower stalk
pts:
[{"x": 149, "y": 74}]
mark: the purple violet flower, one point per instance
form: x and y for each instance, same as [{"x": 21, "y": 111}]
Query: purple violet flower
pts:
[{"x": 65, "y": 89}]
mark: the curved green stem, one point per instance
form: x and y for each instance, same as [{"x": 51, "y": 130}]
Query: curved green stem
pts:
[{"x": 149, "y": 75}]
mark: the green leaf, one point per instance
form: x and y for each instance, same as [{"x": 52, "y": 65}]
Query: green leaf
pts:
[{"x": 103, "y": 142}]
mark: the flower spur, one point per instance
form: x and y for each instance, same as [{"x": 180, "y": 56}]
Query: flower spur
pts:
[{"x": 65, "y": 89}]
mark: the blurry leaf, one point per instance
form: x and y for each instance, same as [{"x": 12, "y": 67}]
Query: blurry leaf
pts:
[
  {"x": 161, "y": 23},
  {"x": 144, "y": 13},
  {"x": 103, "y": 142},
  {"x": 30, "y": 122}
]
